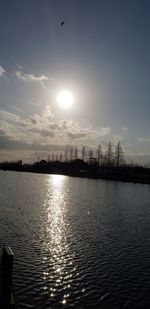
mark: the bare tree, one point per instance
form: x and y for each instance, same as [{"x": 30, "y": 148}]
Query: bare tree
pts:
[
  {"x": 109, "y": 157},
  {"x": 119, "y": 155},
  {"x": 83, "y": 153},
  {"x": 66, "y": 155},
  {"x": 90, "y": 153},
  {"x": 53, "y": 157},
  {"x": 49, "y": 158},
  {"x": 76, "y": 153},
  {"x": 91, "y": 156},
  {"x": 60, "y": 157},
  {"x": 99, "y": 154},
  {"x": 71, "y": 153}
]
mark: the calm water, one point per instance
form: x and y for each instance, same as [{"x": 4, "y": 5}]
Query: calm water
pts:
[{"x": 78, "y": 243}]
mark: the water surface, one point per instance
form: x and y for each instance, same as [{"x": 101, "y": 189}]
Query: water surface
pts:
[{"x": 78, "y": 243}]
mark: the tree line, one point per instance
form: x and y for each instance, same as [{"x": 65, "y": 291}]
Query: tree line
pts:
[{"x": 108, "y": 158}]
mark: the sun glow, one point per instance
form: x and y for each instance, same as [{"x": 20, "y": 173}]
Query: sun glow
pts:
[{"x": 65, "y": 99}]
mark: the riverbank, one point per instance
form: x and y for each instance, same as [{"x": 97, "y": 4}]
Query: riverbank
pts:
[{"x": 81, "y": 169}]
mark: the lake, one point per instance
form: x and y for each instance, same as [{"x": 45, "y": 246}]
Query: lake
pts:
[{"x": 78, "y": 243}]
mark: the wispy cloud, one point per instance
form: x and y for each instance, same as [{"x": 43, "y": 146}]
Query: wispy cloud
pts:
[
  {"x": 116, "y": 138},
  {"x": 2, "y": 71},
  {"x": 105, "y": 131},
  {"x": 124, "y": 129},
  {"x": 143, "y": 139},
  {"x": 29, "y": 77}
]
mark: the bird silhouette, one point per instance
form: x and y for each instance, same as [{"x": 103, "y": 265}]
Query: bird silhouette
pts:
[{"x": 62, "y": 22}]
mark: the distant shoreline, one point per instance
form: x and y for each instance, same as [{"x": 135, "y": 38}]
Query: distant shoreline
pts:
[{"x": 124, "y": 174}]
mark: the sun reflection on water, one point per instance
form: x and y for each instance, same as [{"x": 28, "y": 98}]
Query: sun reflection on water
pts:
[{"x": 57, "y": 230}]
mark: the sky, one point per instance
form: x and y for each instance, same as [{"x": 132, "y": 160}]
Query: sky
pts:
[{"x": 101, "y": 55}]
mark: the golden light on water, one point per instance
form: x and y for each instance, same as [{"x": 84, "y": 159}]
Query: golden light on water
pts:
[
  {"x": 56, "y": 214},
  {"x": 56, "y": 231},
  {"x": 65, "y": 99}
]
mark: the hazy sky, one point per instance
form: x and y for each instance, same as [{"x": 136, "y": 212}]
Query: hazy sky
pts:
[{"x": 101, "y": 54}]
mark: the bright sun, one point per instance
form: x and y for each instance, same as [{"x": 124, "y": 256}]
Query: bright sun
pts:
[{"x": 65, "y": 99}]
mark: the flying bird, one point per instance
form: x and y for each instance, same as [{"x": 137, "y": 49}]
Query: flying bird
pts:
[{"x": 63, "y": 22}]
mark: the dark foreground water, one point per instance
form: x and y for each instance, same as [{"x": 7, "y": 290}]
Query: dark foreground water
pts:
[{"x": 78, "y": 243}]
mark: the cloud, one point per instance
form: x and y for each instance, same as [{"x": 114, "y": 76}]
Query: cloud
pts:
[
  {"x": 104, "y": 131},
  {"x": 2, "y": 132},
  {"x": 29, "y": 77},
  {"x": 2, "y": 71},
  {"x": 143, "y": 139},
  {"x": 42, "y": 132},
  {"x": 124, "y": 129},
  {"x": 32, "y": 119},
  {"x": 76, "y": 135},
  {"x": 41, "y": 127},
  {"x": 116, "y": 138},
  {"x": 44, "y": 118}
]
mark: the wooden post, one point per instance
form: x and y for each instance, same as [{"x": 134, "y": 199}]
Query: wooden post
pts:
[{"x": 7, "y": 269}]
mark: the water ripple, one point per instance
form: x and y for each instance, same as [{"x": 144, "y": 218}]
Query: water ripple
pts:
[{"x": 78, "y": 243}]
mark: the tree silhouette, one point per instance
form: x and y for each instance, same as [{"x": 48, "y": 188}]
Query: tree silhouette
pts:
[
  {"x": 83, "y": 153},
  {"x": 90, "y": 154},
  {"x": 60, "y": 157},
  {"x": 66, "y": 155},
  {"x": 109, "y": 157},
  {"x": 119, "y": 155},
  {"x": 76, "y": 153},
  {"x": 71, "y": 153},
  {"x": 53, "y": 157},
  {"x": 99, "y": 154}
]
